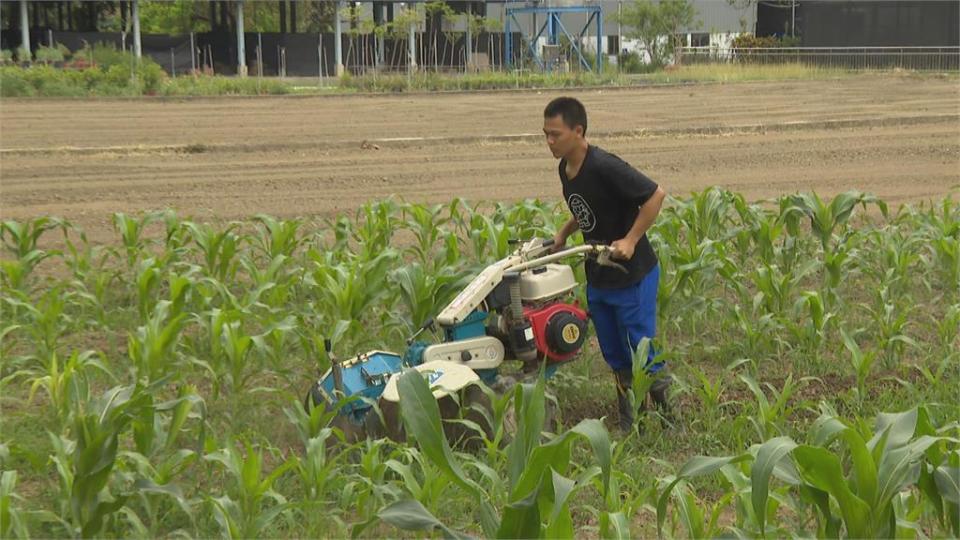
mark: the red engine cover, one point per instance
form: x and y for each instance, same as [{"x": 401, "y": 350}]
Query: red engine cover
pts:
[{"x": 540, "y": 316}]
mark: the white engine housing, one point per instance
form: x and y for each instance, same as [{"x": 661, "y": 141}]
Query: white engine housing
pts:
[
  {"x": 484, "y": 352},
  {"x": 546, "y": 282},
  {"x": 443, "y": 377}
]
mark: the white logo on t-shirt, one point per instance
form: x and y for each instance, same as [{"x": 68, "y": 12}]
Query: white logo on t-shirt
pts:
[{"x": 582, "y": 212}]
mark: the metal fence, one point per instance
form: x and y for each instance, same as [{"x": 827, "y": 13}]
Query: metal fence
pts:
[{"x": 913, "y": 58}]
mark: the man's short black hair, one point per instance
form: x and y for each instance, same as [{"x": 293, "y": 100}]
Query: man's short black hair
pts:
[{"x": 572, "y": 111}]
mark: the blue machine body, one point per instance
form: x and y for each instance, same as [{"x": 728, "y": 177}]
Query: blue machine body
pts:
[
  {"x": 472, "y": 326},
  {"x": 366, "y": 377},
  {"x": 414, "y": 353}
]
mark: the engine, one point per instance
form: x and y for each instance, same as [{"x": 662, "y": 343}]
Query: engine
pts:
[
  {"x": 549, "y": 328},
  {"x": 559, "y": 330}
]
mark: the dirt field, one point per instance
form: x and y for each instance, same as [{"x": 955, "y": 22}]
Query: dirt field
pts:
[{"x": 895, "y": 136}]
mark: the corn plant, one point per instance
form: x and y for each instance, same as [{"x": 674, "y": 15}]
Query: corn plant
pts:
[
  {"x": 251, "y": 505},
  {"x": 814, "y": 322},
  {"x": 219, "y": 248},
  {"x": 272, "y": 285},
  {"x": 374, "y": 226},
  {"x": 536, "y": 472},
  {"x": 948, "y": 328},
  {"x": 347, "y": 291},
  {"x": 152, "y": 348},
  {"x": 691, "y": 265},
  {"x": 421, "y": 478},
  {"x": 319, "y": 467},
  {"x": 275, "y": 341},
  {"x": 940, "y": 228},
  {"x": 86, "y": 463},
  {"x": 905, "y": 450},
  {"x": 530, "y": 218},
  {"x": 59, "y": 380},
  {"x": 237, "y": 348},
  {"x": 776, "y": 287},
  {"x": 760, "y": 331},
  {"x": 368, "y": 488},
  {"x": 428, "y": 225},
  {"x": 699, "y": 522},
  {"x": 152, "y": 435},
  {"x": 45, "y": 321},
  {"x": 707, "y": 215},
  {"x": 710, "y": 392},
  {"x": 422, "y": 290},
  {"x": 12, "y": 519},
  {"x": 277, "y": 237},
  {"x": 894, "y": 258},
  {"x": 693, "y": 468},
  {"x": 827, "y": 218},
  {"x": 156, "y": 495},
  {"x": 757, "y": 233},
  {"x": 21, "y": 241},
  {"x": 839, "y": 265},
  {"x": 90, "y": 266},
  {"x": 490, "y": 239},
  {"x": 15, "y": 519},
  {"x": 890, "y": 319},
  {"x": 148, "y": 282},
  {"x": 131, "y": 231},
  {"x": 770, "y": 414},
  {"x": 16, "y": 273},
  {"x": 862, "y": 362}
]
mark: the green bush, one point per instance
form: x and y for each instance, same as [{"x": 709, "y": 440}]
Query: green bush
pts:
[
  {"x": 116, "y": 80},
  {"x": 105, "y": 56},
  {"x": 13, "y": 83},
  {"x": 49, "y": 54},
  {"x": 150, "y": 75},
  {"x": 49, "y": 81},
  {"x": 631, "y": 62},
  {"x": 221, "y": 86},
  {"x": 115, "y": 75},
  {"x": 46, "y": 80}
]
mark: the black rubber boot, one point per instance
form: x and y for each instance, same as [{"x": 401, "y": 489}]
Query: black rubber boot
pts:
[
  {"x": 624, "y": 379},
  {"x": 659, "y": 395}
]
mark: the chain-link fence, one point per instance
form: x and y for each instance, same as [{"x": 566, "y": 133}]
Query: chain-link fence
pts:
[{"x": 911, "y": 58}]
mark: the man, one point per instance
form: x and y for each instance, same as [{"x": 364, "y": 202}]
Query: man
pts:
[{"x": 614, "y": 204}]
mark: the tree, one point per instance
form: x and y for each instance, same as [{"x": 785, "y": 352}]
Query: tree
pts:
[
  {"x": 658, "y": 26},
  {"x": 677, "y": 15},
  {"x": 436, "y": 12},
  {"x": 320, "y": 16},
  {"x": 174, "y": 18}
]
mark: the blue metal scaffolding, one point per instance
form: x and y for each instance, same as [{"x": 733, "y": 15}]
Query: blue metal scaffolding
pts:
[{"x": 552, "y": 26}]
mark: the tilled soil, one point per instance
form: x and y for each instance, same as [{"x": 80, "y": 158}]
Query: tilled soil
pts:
[{"x": 895, "y": 136}]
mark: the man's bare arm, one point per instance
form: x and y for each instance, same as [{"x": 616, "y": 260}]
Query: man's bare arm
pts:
[
  {"x": 568, "y": 228},
  {"x": 624, "y": 247}
]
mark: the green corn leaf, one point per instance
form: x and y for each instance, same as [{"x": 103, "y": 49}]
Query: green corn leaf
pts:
[
  {"x": 614, "y": 526},
  {"x": 769, "y": 454},
  {"x": 696, "y": 466},
  {"x": 421, "y": 417},
  {"x": 560, "y": 522},
  {"x": 822, "y": 470},
  {"x": 410, "y": 515}
]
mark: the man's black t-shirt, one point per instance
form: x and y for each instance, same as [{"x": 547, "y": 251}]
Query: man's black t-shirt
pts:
[{"x": 605, "y": 197}]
